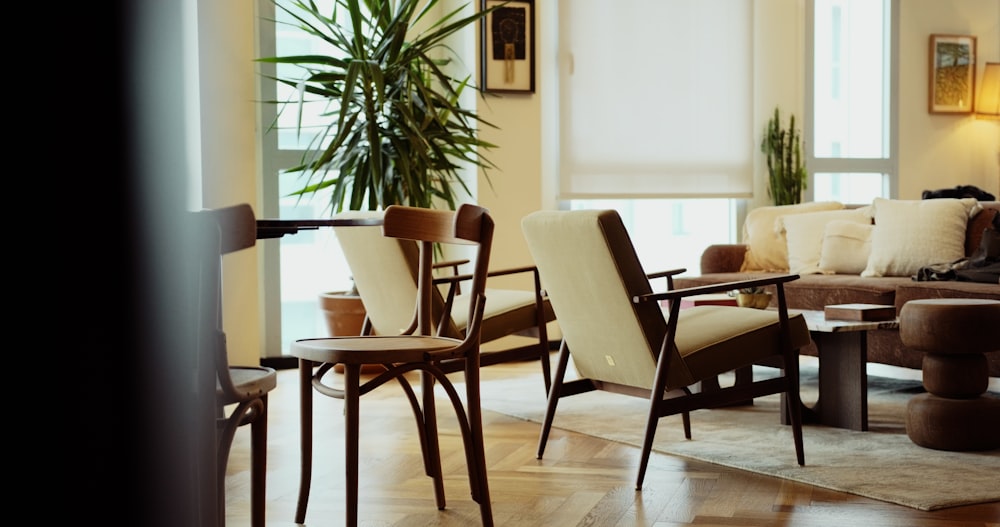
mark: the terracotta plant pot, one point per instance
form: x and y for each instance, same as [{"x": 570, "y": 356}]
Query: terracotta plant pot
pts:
[{"x": 345, "y": 314}]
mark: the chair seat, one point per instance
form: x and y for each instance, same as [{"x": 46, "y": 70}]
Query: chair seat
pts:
[
  {"x": 708, "y": 346},
  {"x": 370, "y": 349},
  {"x": 250, "y": 382}
]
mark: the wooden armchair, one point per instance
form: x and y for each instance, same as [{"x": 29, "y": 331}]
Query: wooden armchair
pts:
[
  {"x": 385, "y": 273},
  {"x": 621, "y": 340}
]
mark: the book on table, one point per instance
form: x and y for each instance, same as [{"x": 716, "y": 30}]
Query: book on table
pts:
[
  {"x": 860, "y": 312},
  {"x": 721, "y": 299}
]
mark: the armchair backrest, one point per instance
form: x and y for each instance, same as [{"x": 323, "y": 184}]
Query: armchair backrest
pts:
[
  {"x": 385, "y": 271},
  {"x": 590, "y": 269}
]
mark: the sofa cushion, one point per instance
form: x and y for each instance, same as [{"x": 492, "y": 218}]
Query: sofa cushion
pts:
[
  {"x": 845, "y": 247},
  {"x": 944, "y": 289},
  {"x": 804, "y": 235},
  {"x": 766, "y": 245},
  {"x": 910, "y": 234},
  {"x": 814, "y": 291},
  {"x": 979, "y": 223}
]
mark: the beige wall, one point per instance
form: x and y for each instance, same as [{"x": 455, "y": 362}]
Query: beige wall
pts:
[
  {"x": 228, "y": 162},
  {"x": 940, "y": 151}
]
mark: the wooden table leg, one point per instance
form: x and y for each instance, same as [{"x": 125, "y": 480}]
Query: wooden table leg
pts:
[{"x": 843, "y": 381}]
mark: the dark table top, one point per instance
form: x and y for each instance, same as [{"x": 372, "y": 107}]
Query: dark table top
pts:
[{"x": 270, "y": 228}]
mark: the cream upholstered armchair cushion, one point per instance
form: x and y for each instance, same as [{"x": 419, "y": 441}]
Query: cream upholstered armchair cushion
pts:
[
  {"x": 617, "y": 334},
  {"x": 385, "y": 273}
]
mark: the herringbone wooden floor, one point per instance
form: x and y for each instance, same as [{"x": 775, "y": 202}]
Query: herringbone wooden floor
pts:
[{"x": 581, "y": 481}]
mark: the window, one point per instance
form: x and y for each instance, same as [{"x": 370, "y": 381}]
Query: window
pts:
[
  {"x": 309, "y": 262},
  {"x": 850, "y": 143},
  {"x": 661, "y": 136}
]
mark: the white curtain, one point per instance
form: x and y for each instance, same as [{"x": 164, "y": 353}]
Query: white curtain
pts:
[{"x": 656, "y": 99}]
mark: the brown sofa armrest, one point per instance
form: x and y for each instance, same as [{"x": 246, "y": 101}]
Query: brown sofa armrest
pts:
[{"x": 722, "y": 258}]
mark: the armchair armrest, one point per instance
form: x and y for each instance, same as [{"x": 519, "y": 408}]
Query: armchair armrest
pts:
[
  {"x": 677, "y": 294},
  {"x": 722, "y": 258},
  {"x": 453, "y": 282},
  {"x": 669, "y": 275},
  {"x": 778, "y": 282}
]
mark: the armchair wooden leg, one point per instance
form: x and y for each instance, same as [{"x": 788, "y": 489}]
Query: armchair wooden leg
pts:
[
  {"x": 550, "y": 408},
  {"x": 793, "y": 406}
]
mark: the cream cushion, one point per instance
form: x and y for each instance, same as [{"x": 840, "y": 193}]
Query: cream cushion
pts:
[
  {"x": 846, "y": 246},
  {"x": 804, "y": 235},
  {"x": 910, "y": 234},
  {"x": 766, "y": 245}
]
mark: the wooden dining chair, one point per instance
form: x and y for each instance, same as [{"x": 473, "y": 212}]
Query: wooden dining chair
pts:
[
  {"x": 421, "y": 349},
  {"x": 621, "y": 341},
  {"x": 385, "y": 273},
  {"x": 240, "y": 391}
]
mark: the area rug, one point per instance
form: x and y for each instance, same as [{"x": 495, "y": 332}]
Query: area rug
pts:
[{"x": 881, "y": 464}]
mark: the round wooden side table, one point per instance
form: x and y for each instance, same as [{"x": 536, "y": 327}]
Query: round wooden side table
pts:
[{"x": 954, "y": 334}]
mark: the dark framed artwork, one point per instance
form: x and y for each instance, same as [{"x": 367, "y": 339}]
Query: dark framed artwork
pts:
[
  {"x": 952, "y": 73},
  {"x": 508, "y": 47}
]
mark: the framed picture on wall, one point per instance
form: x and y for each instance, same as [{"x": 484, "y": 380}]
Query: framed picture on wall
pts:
[
  {"x": 508, "y": 47},
  {"x": 952, "y": 73}
]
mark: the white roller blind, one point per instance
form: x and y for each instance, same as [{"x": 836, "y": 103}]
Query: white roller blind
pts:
[{"x": 656, "y": 98}]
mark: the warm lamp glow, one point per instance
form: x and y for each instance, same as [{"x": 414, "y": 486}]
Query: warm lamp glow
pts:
[{"x": 988, "y": 106}]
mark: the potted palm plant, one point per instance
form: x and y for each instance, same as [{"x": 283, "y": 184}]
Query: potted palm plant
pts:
[{"x": 394, "y": 130}]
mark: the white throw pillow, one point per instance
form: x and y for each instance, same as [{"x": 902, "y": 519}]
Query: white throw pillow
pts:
[
  {"x": 846, "y": 246},
  {"x": 766, "y": 246},
  {"x": 804, "y": 235},
  {"x": 910, "y": 234}
]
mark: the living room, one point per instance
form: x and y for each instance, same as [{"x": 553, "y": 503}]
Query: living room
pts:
[{"x": 935, "y": 151}]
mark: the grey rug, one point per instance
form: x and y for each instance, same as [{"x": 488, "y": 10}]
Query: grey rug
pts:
[{"x": 881, "y": 464}]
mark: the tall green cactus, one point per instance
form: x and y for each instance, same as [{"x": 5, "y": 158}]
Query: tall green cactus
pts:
[{"x": 787, "y": 173}]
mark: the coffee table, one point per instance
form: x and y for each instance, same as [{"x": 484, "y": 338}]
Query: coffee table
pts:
[{"x": 842, "y": 347}]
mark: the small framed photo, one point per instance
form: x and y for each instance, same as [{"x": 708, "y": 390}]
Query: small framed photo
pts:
[
  {"x": 508, "y": 47},
  {"x": 952, "y": 73}
]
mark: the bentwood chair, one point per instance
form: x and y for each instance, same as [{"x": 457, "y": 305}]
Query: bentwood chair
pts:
[
  {"x": 620, "y": 339},
  {"x": 385, "y": 273},
  {"x": 420, "y": 350},
  {"x": 240, "y": 391}
]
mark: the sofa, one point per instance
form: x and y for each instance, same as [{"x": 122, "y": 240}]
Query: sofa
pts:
[{"x": 869, "y": 255}]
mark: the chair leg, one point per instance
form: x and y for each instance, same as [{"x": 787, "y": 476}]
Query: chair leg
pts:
[
  {"x": 550, "y": 408},
  {"x": 306, "y": 435},
  {"x": 352, "y": 395},
  {"x": 432, "y": 453},
  {"x": 477, "y": 466},
  {"x": 793, "y": 405},
  {"x": 258, "y": 470},
  {"x": 226, "y": 430}
]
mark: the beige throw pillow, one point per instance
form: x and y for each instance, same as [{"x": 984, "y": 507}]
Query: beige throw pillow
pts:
[
  {"x": 804, "y": 235},
  {"x": 910, "y": 234},
  {"x": 766, "y": 245},
  {"x": 846, "y": 246}
]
